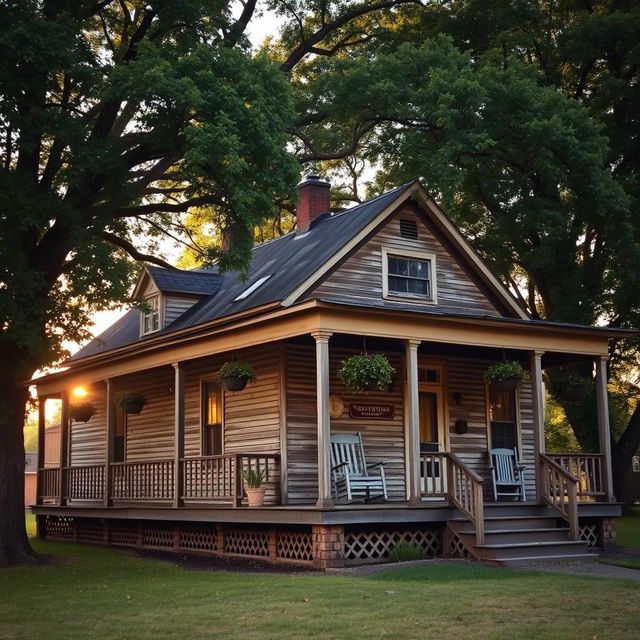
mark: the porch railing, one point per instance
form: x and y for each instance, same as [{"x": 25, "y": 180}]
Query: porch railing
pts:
[
  {"x": 587, "y": 468},
  {"x": 84, "y": 483},
  {"x": 433, "y": 475},
  {"x": 149, "y": 480},
  {"x": 49, "y": 483},
  {"x": 219, "y": 478},
  {"x": 464, "y": 490},
  {"x": 560, "y": 492}
]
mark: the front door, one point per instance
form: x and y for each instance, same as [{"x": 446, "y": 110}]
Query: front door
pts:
[{"x": 432, "y": 429}]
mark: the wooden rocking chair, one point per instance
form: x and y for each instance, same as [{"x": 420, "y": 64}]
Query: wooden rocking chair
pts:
[
  {"x": 507, "y": 474},
  {"x": 352, "y": 477}
]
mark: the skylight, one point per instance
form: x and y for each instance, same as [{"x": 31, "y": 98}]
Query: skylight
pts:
[{"x": 251, "y": 288}]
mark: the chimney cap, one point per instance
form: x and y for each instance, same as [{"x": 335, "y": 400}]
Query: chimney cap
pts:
[{"x": 314, "y": 179}]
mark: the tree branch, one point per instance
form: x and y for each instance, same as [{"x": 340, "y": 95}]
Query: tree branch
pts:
[
  {"x": 165, "y": 207},
  {"x": 240, "y": 25},
  {"x": 133, "y": 252}
]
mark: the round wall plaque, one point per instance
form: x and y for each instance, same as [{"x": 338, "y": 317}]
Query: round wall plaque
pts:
[{"x": 336, "y": 406}]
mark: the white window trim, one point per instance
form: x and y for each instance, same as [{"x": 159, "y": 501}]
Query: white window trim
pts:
[
  {"x": 158, "y": 296},
  {"x": 406, "y": 253}
]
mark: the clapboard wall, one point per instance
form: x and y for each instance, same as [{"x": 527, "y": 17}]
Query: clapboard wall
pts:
[
  {"x": 359, "y": 278},
  {"x": 88, "y": 439},
  {"x": 383, "y": 439}
]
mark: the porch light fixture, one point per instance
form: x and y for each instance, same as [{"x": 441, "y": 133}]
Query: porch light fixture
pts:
[{"x": 79, "y": 392}]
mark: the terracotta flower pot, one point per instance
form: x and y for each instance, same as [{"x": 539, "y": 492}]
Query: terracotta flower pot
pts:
[
  {"x": 255, "y": 496},
  {"x": 234, "y": 383}
]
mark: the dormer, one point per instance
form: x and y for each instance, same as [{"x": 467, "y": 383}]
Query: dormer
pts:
[{"x": 167, "y": 294}]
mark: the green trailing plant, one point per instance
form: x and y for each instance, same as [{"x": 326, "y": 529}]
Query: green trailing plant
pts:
[
  {"x": 405, "y": 551},
  {"x": 253, "y": 477},
  {"x": 366, "y": 371},
  {"x": 501, "y": 371},
  {"x": 131, "y": 401},
  {"x": 237, "y": 369},
  {"x": 82, "y": 411}
]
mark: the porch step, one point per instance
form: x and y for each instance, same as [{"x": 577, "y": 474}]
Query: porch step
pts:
[
  {"x": 512, "y": 536},
  {"x": 510, "y": 509},
  {"x": 512, "y": 551},
  {"x": 510, "y": 522}
]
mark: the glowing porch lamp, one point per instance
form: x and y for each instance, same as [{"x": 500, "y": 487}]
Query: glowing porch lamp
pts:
[{"x": 79, "y": 392}]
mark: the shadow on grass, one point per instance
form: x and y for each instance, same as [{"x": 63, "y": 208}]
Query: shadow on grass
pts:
[{"x": 446, "y": 573}]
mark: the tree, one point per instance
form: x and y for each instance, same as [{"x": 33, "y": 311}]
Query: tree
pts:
[{"x": 118, "y": 117}]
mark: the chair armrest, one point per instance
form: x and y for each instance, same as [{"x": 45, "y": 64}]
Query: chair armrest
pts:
[
  {"x": 342, "y": 464},
  {"x": 377, "y": 464}
]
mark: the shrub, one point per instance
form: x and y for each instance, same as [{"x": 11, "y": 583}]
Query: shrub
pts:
[{"x": 406, "y": 551}]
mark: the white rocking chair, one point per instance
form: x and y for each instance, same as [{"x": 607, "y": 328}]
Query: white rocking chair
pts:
[
  {"x": 352, "y": 477},
  {"x": 507, "y": 474}
]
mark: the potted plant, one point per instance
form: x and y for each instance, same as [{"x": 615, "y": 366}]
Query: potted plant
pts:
[
  {"x": 235, "y": 375},
  {"x": 505, "y": 376},
  {"x": 81, "y": 411},
  {"x": 253, "y": 479},
  {"x": 366, "y": 371},
  {"x": 131, "y": 401}
]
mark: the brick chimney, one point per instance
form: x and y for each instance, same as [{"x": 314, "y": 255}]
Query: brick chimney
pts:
[{"x": 313, "y": 199}]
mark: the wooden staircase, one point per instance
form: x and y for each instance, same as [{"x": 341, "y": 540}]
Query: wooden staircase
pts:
[{"x": 518, "y": 533}]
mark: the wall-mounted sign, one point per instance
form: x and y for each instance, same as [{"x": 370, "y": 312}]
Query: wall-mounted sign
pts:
[{"x": 371, "y": 411}]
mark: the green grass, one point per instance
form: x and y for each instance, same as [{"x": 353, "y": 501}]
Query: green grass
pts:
[
  {"x": 628, "y": 529},
  {"x": 106, "y": 593}
]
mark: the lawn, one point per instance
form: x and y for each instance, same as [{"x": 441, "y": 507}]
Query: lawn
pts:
[
  {"x": 106, "y": 593},
  {"x": 628, "y": 529}
]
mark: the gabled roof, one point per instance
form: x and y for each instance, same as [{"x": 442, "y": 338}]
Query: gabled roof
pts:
[
  {"x": 198, "y": 282},
  {"x": 294, "y": 262}
]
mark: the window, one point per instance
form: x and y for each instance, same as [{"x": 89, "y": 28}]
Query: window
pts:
[
  {"x": 502, "y": 414},
  {"x": 120, "y": 436},
  {"x": 408, "y": 275},
  {"x": 151, "y": 315},
  {"x": 212, "y": 419}
]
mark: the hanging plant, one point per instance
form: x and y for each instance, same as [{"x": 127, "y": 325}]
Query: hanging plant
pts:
[
  {"x": 366, "y": 371},
  {"x": 505, "y": 376},
  {"x": 235, "y": 375},
  {"x": 131, "y": 402},
  {"x": 82, "y": 411}
]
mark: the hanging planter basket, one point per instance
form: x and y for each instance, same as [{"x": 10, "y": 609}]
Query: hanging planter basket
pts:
[
  {"x": 505, "y": 376},
  {"x": 81, "y": 412},
  {"x": 366, "y": 372},
  {"x": 132, "y": 402},
  {"x": 236, "y": 375}
]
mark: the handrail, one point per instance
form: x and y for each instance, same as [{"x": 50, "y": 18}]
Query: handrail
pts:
[
  {"x": 84, "y": 482},
  {"x": 587, "y": 468},
  {"x": 464, "y": 489},
  {"x": 560, "y": 492}
]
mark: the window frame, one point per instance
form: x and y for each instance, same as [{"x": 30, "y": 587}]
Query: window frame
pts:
[
  {"x": 517, "y": 422},
  {"x": 408, "y": 254},
  {"x": 204, "y": 383},
  {"x": 144, "y": 315}
]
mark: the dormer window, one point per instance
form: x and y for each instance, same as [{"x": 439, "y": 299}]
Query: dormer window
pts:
[
  {"x": 408, "y": 274},
  {"x": 150, "y": 316}
]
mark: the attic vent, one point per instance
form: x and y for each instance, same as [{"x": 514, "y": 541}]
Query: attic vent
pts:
[
  {"x": 408, "y": 229},
  {"x": 248, "y": 291}
]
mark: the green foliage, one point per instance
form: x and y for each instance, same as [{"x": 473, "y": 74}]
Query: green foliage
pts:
[
  {"x": 503, "y": 371},
  {"x": 366, "y": 371},
  {"x": 253, "y": 477},
  {"x": 237, "y": 369},
  {"x": 129, "y": 399},
  {"x": 405, "y": 551},
  {"x": 558, "y": 434}
]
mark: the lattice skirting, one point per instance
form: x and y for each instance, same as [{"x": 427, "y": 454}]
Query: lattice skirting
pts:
[
  {"x": 457, "y": 549},
  {"x": 589, "y": 532},
  {"x": 376, "y": 545},
  {"x": 269, "y": 544}
]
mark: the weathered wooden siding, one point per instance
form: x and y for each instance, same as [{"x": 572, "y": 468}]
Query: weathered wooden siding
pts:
[
  {"x": 383, "y": 439},
  {"x": 465, "y": 376},
  {"x": 359, "y": 278},
  {"x": 175, "y": 306},
  {"x": 87, "y": 442}
]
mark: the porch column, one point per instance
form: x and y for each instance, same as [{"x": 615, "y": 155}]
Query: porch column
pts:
[
  {"x": 537, "y": 395},
  {"x": 110, "y": 439},
  {"x": 604, "y": 430},
  {"x": 413, "y": 421},
  {"x": 41, "y": 436},
  {"x": 324, "y": 423},
  {"x": 178, "y": 386},
  {"x": 64, "y": 444}
]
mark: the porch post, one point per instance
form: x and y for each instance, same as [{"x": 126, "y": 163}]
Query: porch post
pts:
[
  {"x": 110, "y": 442},
  {"x": 413, "y": 421},
  {"x": 64, "y": 442},
  {"x": 324, "y": 423},
  {"x": 537, "y": 396},
  {"x": 604, "y": 430},
  {"x": 178, "y": 386},
  {"x": 41, "y": 436}
]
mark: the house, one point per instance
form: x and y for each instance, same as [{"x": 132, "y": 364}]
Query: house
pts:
[{"x": 393, "y": 276}]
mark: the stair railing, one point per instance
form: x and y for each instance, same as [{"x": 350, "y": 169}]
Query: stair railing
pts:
[
  {"x": 464, "y": 490},
  {"x": 560, "y": 492}
]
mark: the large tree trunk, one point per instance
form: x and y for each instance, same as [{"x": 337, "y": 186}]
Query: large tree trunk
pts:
[
  {"x": 622, "y": 453},
  {"x": 14, "y": 544}
]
